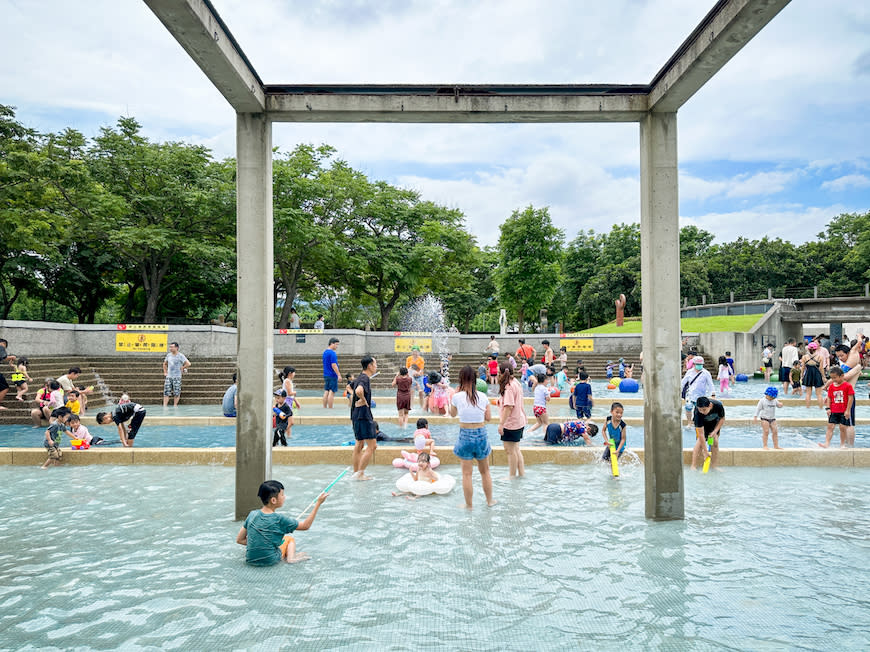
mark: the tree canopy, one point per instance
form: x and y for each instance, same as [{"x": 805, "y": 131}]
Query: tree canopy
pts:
[{"x": 123, "y": 228}]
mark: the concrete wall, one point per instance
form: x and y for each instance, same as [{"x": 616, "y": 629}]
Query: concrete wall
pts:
[{"x": 35, "y": 338}]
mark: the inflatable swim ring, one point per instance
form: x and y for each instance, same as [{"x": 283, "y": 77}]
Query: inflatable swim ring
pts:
[
  {"x": 628, "y": 385},
  {"x": 443, "y": 485},
  {"x": 409, "y": 461},
  {"x": 555, "y": 393}
]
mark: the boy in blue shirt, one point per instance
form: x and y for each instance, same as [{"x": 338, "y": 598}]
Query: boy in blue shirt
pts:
[
  {"x": 266, "y": 535},
  {"x": 614, "y": 428},
  {"x": 583, "y": 397}
]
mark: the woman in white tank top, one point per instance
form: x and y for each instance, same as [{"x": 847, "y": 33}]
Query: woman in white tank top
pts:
[{"x": 472, "y": 408}]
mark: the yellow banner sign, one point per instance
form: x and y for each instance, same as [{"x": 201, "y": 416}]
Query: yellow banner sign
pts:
[
  {"x": 412, "y": 333},
  {"x": 298, "y": 331},
  {"x": 577, "y": 344},
  {"x": 141, "y": 342},
  {"x": 404, "y": 344},
  {"x": 142, "y": 327}
]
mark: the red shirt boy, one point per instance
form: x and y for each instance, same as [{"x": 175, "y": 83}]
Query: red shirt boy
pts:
[{"x": 839, "y": 396}]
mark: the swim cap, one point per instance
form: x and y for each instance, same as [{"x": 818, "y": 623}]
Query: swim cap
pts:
[{"x": 772, "y": 392}]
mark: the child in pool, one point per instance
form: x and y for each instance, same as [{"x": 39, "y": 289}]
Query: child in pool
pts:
[
  {"x": 795, "y": 374},
  {"x": 266, "y": 535},
  {"x": 724, "y": 375},
  {"x": 56, "y": 427},
  {"x": 422, "y": 437},
  {"x": 438, "y": 396},
  {"x": 20, "y": 377},
  {"x": 615, "y": 430},
  {"x": 569, "y": 432},
  {"x": 78, "y": 431},
  {"x": 730, "y": 362},
  {"x": 348, "y": 387},
  {"x": 766, "y": 411},
  {"x": 424, "y": 473},
  {"x": 542, "y": 395},
  {"x": 283, "y": 419}
]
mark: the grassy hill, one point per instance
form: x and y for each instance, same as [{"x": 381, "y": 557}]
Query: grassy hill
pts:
[{"x": 738, "y": 323}]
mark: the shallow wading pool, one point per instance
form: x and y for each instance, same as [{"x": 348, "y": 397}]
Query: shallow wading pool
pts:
[
  {"x": 144, "y": 558},
  {"x": 154, "y": 436}
]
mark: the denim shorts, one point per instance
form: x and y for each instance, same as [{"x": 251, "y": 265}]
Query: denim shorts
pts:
[
  {"x": 330, "y": 383},
  {"x": 473, "y": 444}
]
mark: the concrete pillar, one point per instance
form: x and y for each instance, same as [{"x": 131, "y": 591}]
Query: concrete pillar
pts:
[
  {"x": 867, "y": 289},
  {"x": 732, "y": 296},
  {"x": 660, "y": 282},
  {"x": 254, "y": 291},
  {"x": 769, "y": 293},
  {"x": 836, "y": 332},
  {"x": 815, "y": 292}
]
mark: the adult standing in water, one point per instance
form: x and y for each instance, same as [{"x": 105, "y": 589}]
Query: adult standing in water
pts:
[
  {"x": 811, "y": 366},
  {"x": 330, "y": 372},
  {"x": 364, "y": 431},
  {"x": 511, "y": 419},
  {"x": 472, "y": 407}
]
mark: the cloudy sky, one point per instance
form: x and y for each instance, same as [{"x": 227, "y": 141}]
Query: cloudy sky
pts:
[{"x": 776, "y": 144}]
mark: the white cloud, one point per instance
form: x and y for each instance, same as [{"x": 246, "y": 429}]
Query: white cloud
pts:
[
  {"x": 793, "y": 223},
  {"x": 741, "y": 185},
  {"x": 580, "y": 195},
  {"x": 845, "y": 182}
]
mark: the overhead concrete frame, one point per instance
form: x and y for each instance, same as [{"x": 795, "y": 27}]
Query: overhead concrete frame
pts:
[{"x": 728, "y": 26}]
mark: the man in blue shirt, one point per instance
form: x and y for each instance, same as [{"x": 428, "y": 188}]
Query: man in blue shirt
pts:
[{"x": 331, "y": 373}]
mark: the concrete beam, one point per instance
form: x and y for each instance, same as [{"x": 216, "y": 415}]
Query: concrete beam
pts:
[
  {"x": 199, "y": 29},
  {"x": 436, "y": 104},
  {"x": 729, "y": 26}
]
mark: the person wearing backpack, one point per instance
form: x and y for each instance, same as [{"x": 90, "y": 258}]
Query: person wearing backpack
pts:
[{"x": 697, "y": 382}]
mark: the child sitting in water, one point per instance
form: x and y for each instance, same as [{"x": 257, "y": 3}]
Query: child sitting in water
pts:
[
  {"x": 424, "y": 473},
  {"x": 266, "y": 535},
  {"x": 78, "y": 431},
  {"x": 569, "y": 432},
  {"x": 348, "y": 388},
  {"x": 422, "y": 437},
  {"x": 766, "y": 411}
]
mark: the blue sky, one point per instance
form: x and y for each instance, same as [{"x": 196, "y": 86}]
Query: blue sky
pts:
[{"x": 775, "y": 145}]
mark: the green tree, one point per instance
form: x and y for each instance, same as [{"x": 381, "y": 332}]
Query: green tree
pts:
[
  {"x": 472, "y": 291},
  {"x": 396, "y": 245},
  {"x": 26, "y": 227},
  {"x": 315, "y": 202},
  {"x": 530, "y": 253},
  {"x": 174, "y": 206}
]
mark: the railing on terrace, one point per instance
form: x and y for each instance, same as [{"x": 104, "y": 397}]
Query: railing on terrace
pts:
[{"x": 771, "y": 294}]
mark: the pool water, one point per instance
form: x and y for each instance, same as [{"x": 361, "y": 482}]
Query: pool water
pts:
[
  {"x": 144, "y": 558},
  {"x": 444, "y": 435}
]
